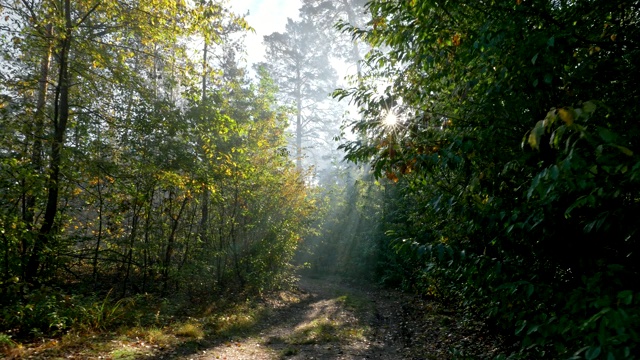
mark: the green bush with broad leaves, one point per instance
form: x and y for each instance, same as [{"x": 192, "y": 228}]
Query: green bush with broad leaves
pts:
[{"x": 514, "y": 163}]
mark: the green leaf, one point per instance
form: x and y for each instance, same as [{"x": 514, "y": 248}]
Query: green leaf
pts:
[
  {"x": 521, "y": 327},
  {"x": 551, "y": 41},
  {"x": 534, "y": 185},
  {"x": 624, "y": 150},
  {"x": 556, "y": 136},
  {"x": 607, "y": 135},
  {"x": 592, "y": 353},
  {"x": 533, "y": 60},
  {"x": 589, "y": 107},
  {"x": 440, "y": 252},
  {"x": 626, "y": 297}
]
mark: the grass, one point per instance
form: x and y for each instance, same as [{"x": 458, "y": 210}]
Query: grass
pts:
[
  {"x": 318, "y": 331},
  {"x": 236, "y": 320},
  {"x": 152, "y": 335},
  {"x": 149, "y": 326},
  {"x": 355, "y": 303},
  {"x": 322, "y": 331},
  {"x": 140, "y": 326},
  {"x": 190, "y": 330},
  {"x": 125, "y": 353},
  {"x": 6, "y": 342},
  {"x": 333, "y": 330}
]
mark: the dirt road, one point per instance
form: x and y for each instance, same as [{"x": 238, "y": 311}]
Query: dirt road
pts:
[{"x": 329, "y": 319}]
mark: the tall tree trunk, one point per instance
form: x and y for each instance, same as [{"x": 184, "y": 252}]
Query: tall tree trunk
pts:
[
  {"x": 205, "y": 186},
  {"x": 298, "y": 120},
  {"x": 355, "y": 49},
  {"x": 132, "y": 239},
  {"x": 60, "y": 119},
  {"x": 38, "y": 133},
  {"x": 233, "y": 236},
  {"x": 170, "y": 246},
  {"x": 96, "y": 251},
  {"x": 145, "y": 253}
]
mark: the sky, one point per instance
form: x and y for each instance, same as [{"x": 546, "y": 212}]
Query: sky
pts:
[{"x": 266, "y": 17}]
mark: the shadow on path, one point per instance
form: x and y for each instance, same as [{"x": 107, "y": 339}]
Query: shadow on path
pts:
[{"x": 332, "y": 320}]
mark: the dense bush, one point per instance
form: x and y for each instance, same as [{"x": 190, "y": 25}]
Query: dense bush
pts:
[{"x": 515, "y": 162}]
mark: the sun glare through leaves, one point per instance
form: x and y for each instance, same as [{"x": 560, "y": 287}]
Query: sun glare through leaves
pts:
[{"x": 390, "y": 119}]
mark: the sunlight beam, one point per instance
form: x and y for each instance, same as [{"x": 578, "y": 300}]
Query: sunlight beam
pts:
[{"x": 390, "y": 119}]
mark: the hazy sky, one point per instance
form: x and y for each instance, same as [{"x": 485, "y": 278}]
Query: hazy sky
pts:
[{"x": 265, "y": 16}]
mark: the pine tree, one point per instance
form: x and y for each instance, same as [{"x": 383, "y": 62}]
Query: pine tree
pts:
[{"x": 298, "y": 61}]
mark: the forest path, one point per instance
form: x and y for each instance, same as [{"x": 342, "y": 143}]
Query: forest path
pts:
[
  {"x": 320, "y": 319},
  {"x": 328, "y": 319}
]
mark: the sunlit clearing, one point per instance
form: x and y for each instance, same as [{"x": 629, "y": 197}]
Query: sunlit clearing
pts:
[{"x": 390, "y": 119}]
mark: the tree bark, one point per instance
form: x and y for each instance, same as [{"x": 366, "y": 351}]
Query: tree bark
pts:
[
  {"x": 28, "y": 215},
  {"x": 60, "y": 119},
  {"x": 170, "y": 246},
  {"x": 355, "y": 49},
  {"x": 205, "y": 188},
  {"x": 298, "y": 120}
]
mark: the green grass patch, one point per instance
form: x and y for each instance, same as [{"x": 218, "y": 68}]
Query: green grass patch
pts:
[
  {"x": 325, "y": 330},
  {"x": 152, "y": 335},
  {"x": 322, "y": 331},
  {"x": 190, "y": 330},
  {"x": 316, "y": 332},
  {"x": 237, "y": 320},
  {"x": 145, "y": 325},
  {"x": 125, "y": 353},
  {"x": 355, "y": 303}
]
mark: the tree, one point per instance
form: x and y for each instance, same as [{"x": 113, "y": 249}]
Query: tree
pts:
[
  {"x": 298, "y": 61},
  {"x": 330, "y": 17}
]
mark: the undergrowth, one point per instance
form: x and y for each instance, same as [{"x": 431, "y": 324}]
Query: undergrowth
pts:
[{"x": 53, "y": 323}]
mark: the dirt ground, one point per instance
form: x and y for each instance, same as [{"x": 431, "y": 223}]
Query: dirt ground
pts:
[
  {"x": 326, "y": 319},
  {"x": 333, "y": 319}
]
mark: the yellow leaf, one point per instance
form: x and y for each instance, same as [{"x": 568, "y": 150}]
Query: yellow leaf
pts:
[
  {"x": 566, "y": 115},
  {"x": 624, "y": 150},
  {"x": 536, "y": 135}
]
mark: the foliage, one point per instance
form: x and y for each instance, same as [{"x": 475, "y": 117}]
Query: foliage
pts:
[
  {"x": 526, "y": 222},
  {"x": 49, "y": 311},
  {"x": 132, "y": 163}
]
